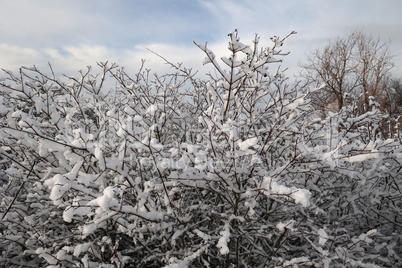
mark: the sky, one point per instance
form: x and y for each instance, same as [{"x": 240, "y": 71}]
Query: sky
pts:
[{"x": 74, "y": 34}]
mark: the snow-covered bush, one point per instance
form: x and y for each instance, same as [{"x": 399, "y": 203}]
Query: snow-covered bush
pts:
[
  {"x": 355, "y": 178},
  {"x": 231, "y": 171}
]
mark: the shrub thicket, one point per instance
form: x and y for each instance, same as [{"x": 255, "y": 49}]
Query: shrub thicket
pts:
[{"x": 230, "y": 171}]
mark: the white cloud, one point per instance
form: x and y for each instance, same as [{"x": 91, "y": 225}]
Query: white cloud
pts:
[
  {"x": 13, "y": 57},
  {"x": 70, "y": 59}
]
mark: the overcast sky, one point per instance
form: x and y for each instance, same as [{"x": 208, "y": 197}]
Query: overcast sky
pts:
[{"x": 72, "y": 34}]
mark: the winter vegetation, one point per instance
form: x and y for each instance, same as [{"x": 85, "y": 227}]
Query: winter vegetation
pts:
[{"x": 238, "y": 169}]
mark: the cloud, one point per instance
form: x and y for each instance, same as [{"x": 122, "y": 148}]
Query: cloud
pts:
[
  {"x": 13, "y": 57},
  {"x": 69, "y": 59}
]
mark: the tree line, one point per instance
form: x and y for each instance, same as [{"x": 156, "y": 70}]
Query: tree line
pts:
[{"x": 356, "y": 67}]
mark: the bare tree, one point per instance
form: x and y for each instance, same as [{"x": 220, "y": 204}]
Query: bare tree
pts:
[
  {"x": 393, "y": 107},
  {"x": 395, "y": 96},
  {"x": 356, "y": 66}
]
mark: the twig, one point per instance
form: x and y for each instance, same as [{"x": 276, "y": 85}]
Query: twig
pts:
[{"x": 16, "y": 195}]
